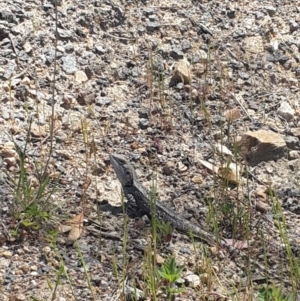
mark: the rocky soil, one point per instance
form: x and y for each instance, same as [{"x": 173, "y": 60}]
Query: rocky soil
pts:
[{"x": 165, "y": 83}]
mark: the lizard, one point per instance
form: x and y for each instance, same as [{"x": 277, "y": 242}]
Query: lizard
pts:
[{"x": 137, "y": 197}]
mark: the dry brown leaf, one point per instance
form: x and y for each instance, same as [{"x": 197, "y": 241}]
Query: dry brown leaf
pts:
[
  {"x": 74, "y": 225},
  {"x": 229, "y": 173},
  {"x": 238, "y": 244},
  {"x": 87, "y": 183},
  {"x": 261, "y": 194},
  {"x": 232, "y": 114},
  {"x": 64, "y": 228},
  {"x": 77, "y": 226}
]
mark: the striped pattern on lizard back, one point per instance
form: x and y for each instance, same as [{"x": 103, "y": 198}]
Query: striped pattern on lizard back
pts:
[
  {"x": 137, "y": 194},
  {"x": 138, "y": 200}
]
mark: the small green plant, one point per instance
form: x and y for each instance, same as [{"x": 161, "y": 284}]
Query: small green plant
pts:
[
  {"x": 169, "y": 273},
  {"x": 31, "y": 205},
  {"x": 164, "y": 230},
  {"x": 34, "y": 217},
  {"x": 273, "y": 293}
]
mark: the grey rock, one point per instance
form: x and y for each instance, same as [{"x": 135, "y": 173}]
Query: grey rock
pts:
[
  {"x": 271, "y": 10},
  {"x": 9, "y": 70},
  {"x": 64, "y": 34},
  {"x": 5, "y": 113},
  {"x": 84, "y": 98},
  {"x": 6, "y": 52},
  {"x": 89, "y": 72},
  {"x": 243, "y": 75},
  {"x": 7, "y": 16},
  {"x": 240, "y": 33},
  {"x": 69, "y": 48},
  {"x": 152, "y": 26},
  {"x": 231, "y": 11},
  {"x": 98, "y": 280},
  {"x": 100, "y": 101},
  {"x": 294, "y": 164},
  {"x": 205, "y": 29},
  {"x": 23, "y": 56},
  {"x": 21, "y": 92},
  {"x": 47, "y": 7},
  {"x": 143, "y": 113},
  {"x": 152, "y": 18},
  {"x": 187, "y": 114},
  {"x": 147, "y": 11},
  {"x": 102, "y": 82},
  {"x": 176, "y": 53},
  {"x": 123, "y": 73},
  {"x": 5, "y": 41},
  {"x": 293, "y": 26},
  {"x": 100, "y": 49},
  {"x": 177, "y": 96},
  {"x": 69, "y": 64},
  {"x": 144, "y": 123},
  {"x": 186, "y": 45},
  {"x": 133, "y": 293},
  {"x": 49, "y": 54},
  {"x": 158, "y": 63},
  {"x": 286, "y": 111},
  {"x": 82, "y": 62},
  {"x": 135, "y": 71},
  {"x": 58, "y": 2},
  {"x": 141, "y": 29},
  {"x": 278, "y": 56},
  {"x": 195, "y": 58},
  {"x": 253, "y": 106},
  {"x": 259, "y": 15}
]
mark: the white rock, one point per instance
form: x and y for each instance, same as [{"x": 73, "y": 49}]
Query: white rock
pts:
[
  {"x": 27, "y": 47},
  {"x": 182, "y": 72},
  {"x": 34, "y": 273},
  {"x": 7, "y": 254},
  {"x": 203, "y": 55},
  {"x": 293, "y": 154},
  {"x": 80, "y": 77},
  {"x": 25, "y": 81},
  {"x": 20, "y": 297},
  {"x": 286, "y": 111},
  {"x": 192, "y": 279}
]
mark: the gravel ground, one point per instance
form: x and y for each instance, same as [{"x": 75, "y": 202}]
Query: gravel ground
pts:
[{"x": 155, "y": 81}]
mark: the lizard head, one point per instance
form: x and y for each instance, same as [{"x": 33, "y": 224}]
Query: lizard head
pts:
[{"x": 123, "y": 169}]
